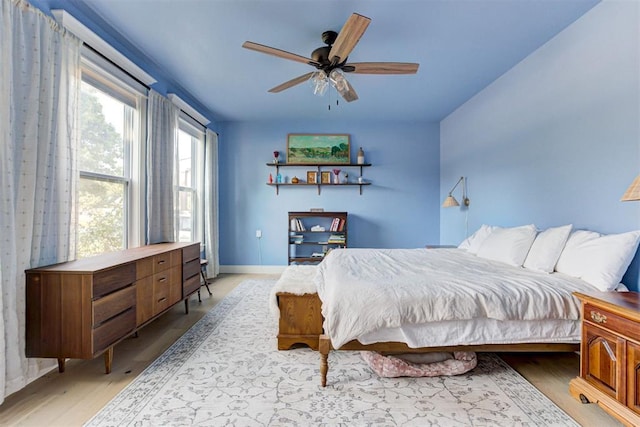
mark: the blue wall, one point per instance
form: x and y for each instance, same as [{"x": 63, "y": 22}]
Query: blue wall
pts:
[
  {"x": 399, "y": 209},
  {"x": 556, "y": 140}
]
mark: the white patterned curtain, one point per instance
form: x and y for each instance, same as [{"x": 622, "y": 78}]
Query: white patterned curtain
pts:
[
  {"x": 211, "y": 230},
  {"x": 39, "y": 90},
  {"x": 162, "y": 140}
]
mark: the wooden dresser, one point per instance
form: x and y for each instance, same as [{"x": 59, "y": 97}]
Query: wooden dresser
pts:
[
  {"x": 81, "y": 309},
  {"x": 610, "y": 354}
]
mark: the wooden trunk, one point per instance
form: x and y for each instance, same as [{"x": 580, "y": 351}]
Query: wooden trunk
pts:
[{"x": 300, "y": 320}]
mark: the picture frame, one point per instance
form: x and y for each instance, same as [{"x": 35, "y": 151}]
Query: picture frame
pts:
[
  {"x": 318, "y": 148},
  {"x": 325, "y": 177},
  {"x": 312, "y": 177}
]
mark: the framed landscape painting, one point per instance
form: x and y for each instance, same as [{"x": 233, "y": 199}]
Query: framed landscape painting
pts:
[{"x": 318, "y": 148}]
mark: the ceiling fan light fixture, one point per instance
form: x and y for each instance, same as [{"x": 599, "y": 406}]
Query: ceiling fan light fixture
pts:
[
  {"x": 337, "y": 79},
  {"x": 320, "y": 82}
]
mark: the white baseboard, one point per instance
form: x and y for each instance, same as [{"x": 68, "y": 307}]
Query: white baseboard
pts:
[{"x": 252, "y": 269}]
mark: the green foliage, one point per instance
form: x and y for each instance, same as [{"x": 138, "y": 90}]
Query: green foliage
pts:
[{"x": 101, "y": 147}]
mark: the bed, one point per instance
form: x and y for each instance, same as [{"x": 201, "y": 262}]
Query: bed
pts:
[{"x": 418, "y": 300}]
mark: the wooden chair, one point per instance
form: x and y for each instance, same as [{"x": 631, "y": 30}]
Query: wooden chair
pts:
[{"x": 205, "y": 281}]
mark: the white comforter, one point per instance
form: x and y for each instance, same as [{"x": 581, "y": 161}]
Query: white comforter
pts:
[{"x": 364, "y": 290}]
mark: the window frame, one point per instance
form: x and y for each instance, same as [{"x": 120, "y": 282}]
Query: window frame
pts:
[{"x": 100, "y": 73}]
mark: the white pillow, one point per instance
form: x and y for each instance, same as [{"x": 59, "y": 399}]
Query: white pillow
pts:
[
  {"x": 600, "y": 260},
  {"x": 472, "y": 243},
  {"x": 508, "y": 245},
  {"x": 546, "y": 248}
]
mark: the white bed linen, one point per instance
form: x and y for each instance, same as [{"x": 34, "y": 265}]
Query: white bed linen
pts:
[{"x": 387, "y": 290}]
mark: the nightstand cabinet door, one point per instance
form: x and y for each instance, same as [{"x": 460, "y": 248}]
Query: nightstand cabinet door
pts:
[
  {"x": 633, "y": 376},
  {"x": 610, "y": 354},
  {"x": 603, "y": 353}
]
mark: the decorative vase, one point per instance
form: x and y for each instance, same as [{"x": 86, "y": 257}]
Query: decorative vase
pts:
[
  {"x": 275, "y": 156},
  {"x": 361, "y": 156},
  {"x": 336, "y": 178}
]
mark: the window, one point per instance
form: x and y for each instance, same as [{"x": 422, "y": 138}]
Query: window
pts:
[
  {"x": 189, "y": 210},
  {"x": 108, "y": 161}
]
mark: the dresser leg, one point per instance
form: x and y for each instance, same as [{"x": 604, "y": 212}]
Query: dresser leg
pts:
[
  {"x": 108, "y": 358},
  {"x": 61, "y": 361},
  {"x": 186, "y": 305}
]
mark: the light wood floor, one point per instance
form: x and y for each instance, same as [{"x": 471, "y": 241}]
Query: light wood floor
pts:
[{"x": 72, "y": 398}]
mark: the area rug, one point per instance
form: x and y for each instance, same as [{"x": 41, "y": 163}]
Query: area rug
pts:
[{"x": 226, "y": 370}]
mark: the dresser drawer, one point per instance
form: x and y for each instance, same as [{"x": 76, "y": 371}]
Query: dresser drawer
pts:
[
  {"x": 162, "y": 289},
  {"x": 191, "y": 268},
  {"x": 113, "y": 304},
  {"x": 107, "y": 281},
  {"x": 161, "y": 262},
  {"x": 190, "y": 253},
  {"x": 611, "y": 322},
  {"x": 190, "y": 286},
  {"x": 112, "y": 330}
]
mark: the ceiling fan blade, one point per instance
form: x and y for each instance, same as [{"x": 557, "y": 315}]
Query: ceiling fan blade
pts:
[
  {"x": 348, "y": 37},
  {"x": 350, "y": 94},
  {"x": 291, "y": 83},
  {"x": 382, "y": 67},
  {"x": 278, "y": 52}
]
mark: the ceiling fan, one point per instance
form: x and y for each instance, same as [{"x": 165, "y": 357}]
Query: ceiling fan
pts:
[{"x": 331, "y": 63}]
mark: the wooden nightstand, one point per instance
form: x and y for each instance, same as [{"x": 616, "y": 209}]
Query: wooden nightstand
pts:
[{"x": 610, "y": 354}]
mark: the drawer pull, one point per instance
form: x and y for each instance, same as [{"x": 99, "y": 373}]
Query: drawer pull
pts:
[
  {"x": 598, "y": 318},
  {"x": 161, "y": 262},
  {"x": 162, "y": 299},
  {"x": 163, "y": 279}
]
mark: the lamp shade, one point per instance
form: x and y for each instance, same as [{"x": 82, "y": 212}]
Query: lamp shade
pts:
[
  {"x": 633, "y": 192},
  {"x": 450, "y": 202}
]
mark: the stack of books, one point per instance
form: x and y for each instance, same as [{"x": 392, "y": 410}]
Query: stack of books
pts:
[
  {"x": 336, "y": 238},
  {"x": 297, "y": 239}
]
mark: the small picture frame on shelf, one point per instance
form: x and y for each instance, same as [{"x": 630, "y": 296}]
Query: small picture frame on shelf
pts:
[
  {"x": 325, "y": 177},
  {"x": 312, "y": 177}
]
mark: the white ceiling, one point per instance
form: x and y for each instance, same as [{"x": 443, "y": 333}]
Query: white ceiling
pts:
[{"x": 193, "y": 47}]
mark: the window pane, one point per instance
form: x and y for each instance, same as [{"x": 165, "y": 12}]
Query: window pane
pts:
[
  {"x": 101, "y": 218},
  {"x": 102, "y": 128},
  {"x": 186, "y": 217},
  {"x": 190, "y": 183},
  {"x": 185, "y": 159}
]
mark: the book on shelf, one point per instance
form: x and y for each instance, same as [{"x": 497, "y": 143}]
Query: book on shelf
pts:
[
  {"x": 297, "y": 238},
  {"x": 337, "y": 224},
  {"x": 296, "y": 225},
  {"x": 336, "y": 238}
]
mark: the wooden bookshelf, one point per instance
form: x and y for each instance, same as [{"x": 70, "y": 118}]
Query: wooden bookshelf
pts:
[{"x": 309, "y": 246}]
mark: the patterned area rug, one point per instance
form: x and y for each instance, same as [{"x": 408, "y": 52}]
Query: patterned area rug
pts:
[{"x": 226, "y": 370}]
